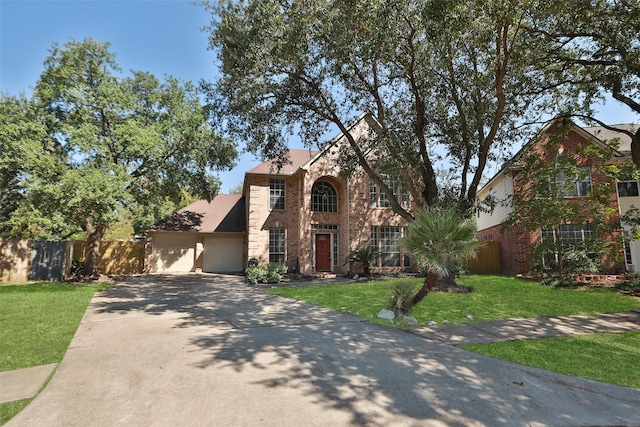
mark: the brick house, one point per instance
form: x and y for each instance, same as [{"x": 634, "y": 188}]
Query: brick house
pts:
[
  {"x": 308, "y": 214},
  {"x": 514, "y": 246}
]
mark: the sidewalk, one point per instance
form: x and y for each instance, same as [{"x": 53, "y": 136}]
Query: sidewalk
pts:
[
  {"x": 530, "y": 328},
  {"x": 25, "y": 383}
]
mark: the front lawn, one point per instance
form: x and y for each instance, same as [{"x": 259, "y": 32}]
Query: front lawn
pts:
[
  {"x": 37, "y": 322},
  {"x": 494, "y": 297},
  {"x": 611, "y": 358},
  {"x": 580, "y": 355}
]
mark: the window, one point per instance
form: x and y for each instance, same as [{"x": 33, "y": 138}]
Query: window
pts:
[
  {"x": 627, "y": 249},
  {"x": 572, "y": 235},
  {"x": 386, "y": 240},
  {"x": 389, "y": 247},
  {"x": 377, "y": 197},
  {"x": 406, "y": 259},
  {"x": 335, "y": 249},
  {"x": 374, "y": 236},
  {"x": 628, "y": 188},
  {"x": 276, "y": 194},
  {"x": 324, "y": 197},
  {"x": 575, "y": 185},
  {"x": 276, "y": 244},
  {"x": 324, "y": 226}
]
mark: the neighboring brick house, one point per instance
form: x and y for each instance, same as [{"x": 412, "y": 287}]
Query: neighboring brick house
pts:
[
  {"x": 515, "y": 247},
  {"x": 308, "y": 214}
]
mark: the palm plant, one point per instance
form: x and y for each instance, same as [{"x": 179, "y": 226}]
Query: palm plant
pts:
[
  {"x": 364, "y": 256},
  {"x": 438, "y": 239}
]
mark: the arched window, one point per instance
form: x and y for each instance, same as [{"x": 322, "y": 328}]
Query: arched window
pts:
[{"x": 324, "y": 197}]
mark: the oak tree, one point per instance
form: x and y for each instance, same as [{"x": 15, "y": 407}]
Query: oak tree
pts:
[
  {"x": 112, "y": 144},
  {"x": 447, "y": 82},
  {"x": 594, "y": 47}
]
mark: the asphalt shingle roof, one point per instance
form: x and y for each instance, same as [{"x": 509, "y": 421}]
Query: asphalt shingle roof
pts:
[{"x": 224, "y": 214}]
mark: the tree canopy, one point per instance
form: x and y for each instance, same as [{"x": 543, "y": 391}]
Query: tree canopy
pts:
[
  {"x": 451, "y": 83},
  {"x": 448, "y": 82},
  {"x": 595, "y": 46},
  {"x": 91, "y": 145}
]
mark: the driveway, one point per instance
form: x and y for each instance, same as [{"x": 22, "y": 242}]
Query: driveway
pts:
[{"x": 208, "y": 350}]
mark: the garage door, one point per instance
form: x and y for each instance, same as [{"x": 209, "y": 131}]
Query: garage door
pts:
[
  {"x": 222, "y": 255},
  {"x": 174, "y": 254}
]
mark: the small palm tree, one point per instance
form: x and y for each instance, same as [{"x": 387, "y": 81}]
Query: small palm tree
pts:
[
  {"x": 364, "y": 256},
  {"x": 438, "y": 239}
]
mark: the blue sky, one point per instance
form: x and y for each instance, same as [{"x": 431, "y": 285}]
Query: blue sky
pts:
[{"x": 158, "y": 36}]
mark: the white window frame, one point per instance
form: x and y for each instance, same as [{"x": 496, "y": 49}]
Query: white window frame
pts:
[
  {"x": 277, "y": 194},
  {"x": 277, "y": 244}
]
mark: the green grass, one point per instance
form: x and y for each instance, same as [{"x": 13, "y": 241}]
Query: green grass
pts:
[
  {"x": 494, "y": 298},
  {"x": 580, "y": 355},
  {"x": 37, "y": 322},
  {"x": 498, "y": 297},
  {"x": 10, "y": 409}
]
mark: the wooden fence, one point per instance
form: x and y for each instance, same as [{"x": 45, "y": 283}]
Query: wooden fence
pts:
[
  {"x": 23, "y": 260},
  {"x": 15, "y": 260},
  {"x": 487, "y": 260},
  {"x": 115, "y": 257}
]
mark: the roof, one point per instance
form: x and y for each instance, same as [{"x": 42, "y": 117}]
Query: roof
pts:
[
  {"x": 224, "y": 214},
  {"x": 297, "y": 159},
  {"x": 604, "y": 134}
]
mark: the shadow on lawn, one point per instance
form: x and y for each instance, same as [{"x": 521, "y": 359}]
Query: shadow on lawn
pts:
[{"x": 379, "y": 376}]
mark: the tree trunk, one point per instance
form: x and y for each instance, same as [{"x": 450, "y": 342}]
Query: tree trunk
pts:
[
  {"x": 93, "y": 249},
  {"x": 365, "y": 268},
  {"x": 429, "y": 283}
]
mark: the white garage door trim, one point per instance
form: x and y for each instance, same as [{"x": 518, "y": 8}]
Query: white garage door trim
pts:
[
  {"x": 222, "y": 254},
  {"x": 174, "y": 254}
]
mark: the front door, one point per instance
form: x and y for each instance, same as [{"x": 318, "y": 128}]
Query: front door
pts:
[{"x": 323, "y": 252}]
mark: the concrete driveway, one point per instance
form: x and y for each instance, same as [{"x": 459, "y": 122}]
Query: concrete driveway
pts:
[{"x": 208, "y": 350}]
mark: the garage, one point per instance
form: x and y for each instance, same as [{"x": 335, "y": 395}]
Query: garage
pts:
[
  {"x": 222, "y": 254},
  {"x": 204, "y": 236},
  {"x": 174, "y": 253}
]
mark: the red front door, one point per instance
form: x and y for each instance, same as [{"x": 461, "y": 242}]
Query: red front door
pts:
[{"x": 323, "y": 252}]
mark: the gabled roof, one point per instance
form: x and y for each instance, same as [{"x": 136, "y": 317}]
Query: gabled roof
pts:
[
  {"x": 301, "y": 158},
  {"x": 600, "y": 134},
  {"x": 297, "y": 159},
  {"x": 624, "y": 140},
  {"x": 224, "y": 214}
]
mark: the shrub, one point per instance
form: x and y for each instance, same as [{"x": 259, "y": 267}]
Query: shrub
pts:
[
  {"x": 77, "y": 268},
  {"x": 576, "y": 260},
  {"x": 266, "y": 273},
  {"x": 255, "y": 274},
  {"x": 365, "y": 256},
  {"x": 401, "y": 300},
  {"x": 275, "y": 272},
  {"x": 579, "y": 261},
  {"x": 632, "y": 285}
]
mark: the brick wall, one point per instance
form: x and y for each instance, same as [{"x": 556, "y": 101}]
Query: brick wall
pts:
[
  {"x": 515, "y": 248},
  {"x": 353, "y": 219}
]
